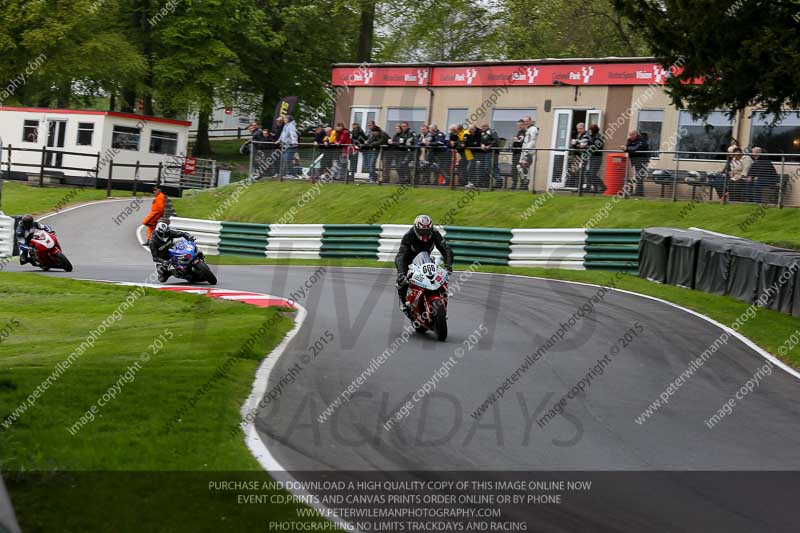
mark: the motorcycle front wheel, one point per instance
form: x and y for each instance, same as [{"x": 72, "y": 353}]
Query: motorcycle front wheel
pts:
[
  {"x": 440, "y": 320},
  {"x": 205, "y": 273},
  {"x": 64, "y": 262}
]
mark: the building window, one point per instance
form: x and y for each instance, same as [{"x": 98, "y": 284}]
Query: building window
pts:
[
  {"x": 125, "y": 138},
  {"x": 85, "y": 133},
  {"x": 504, "y": 121},
  {"x": 163, "y": 142},
  {"x": 781, "y": 138},
  {"x": 649, "y": 124},
  {"x": 415, "y": 116},
  {"x": 456, "y": 115},
  {"x": 30, "y": 131},
  {"x": 710, "y": 135}
]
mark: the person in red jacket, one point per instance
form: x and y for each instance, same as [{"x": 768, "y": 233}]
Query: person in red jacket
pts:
[
  {"x": 156, "y": 211},
  {"x": 344, "y": 140}
]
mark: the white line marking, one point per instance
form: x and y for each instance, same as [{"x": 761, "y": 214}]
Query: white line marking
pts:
[{"x": 74, "y": 207}]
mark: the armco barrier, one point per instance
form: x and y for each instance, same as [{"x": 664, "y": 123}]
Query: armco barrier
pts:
[
  {"x": 612, "y": 249},
  {"x": 350, "y": 240},
  {"x": 207, "y": 232},
  {"x": 238, "y": 238},
  {"x": 294, "y": 241},
  {"x": 548, "y": 248},
  {"x": 6, "y": 236},
  {"x": 575, "y": 249}
]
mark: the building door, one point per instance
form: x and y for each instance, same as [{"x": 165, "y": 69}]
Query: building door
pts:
[
  {"x": 594, "y": 116},
  {"x": 361, "y": 116},
  {"x": 562, "y": 129},
  {"x": 56, "y": 135}
]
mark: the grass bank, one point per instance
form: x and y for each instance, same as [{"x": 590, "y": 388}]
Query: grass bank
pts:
[
  {"x": 268, "y": 202},
  {"x": 128, "y": 469},
  {"x": 19, "y": 198}
]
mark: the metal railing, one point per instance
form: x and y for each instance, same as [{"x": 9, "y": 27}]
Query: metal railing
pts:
[
  {"x": 51, "y": 170},
  {"x": 665, "y": 175},
  {"x": 225, "y": 133}
]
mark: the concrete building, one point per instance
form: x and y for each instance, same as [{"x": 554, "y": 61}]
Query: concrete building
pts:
[
  {"x": 89, "y": 137},
  {"x": 618, "y": 94}
]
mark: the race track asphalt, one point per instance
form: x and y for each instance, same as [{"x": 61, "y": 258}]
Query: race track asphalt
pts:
[{"x": 354, "y": 316}]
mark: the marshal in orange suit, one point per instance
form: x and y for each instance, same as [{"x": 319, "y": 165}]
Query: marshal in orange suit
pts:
[{"x": 156, "y": 211}]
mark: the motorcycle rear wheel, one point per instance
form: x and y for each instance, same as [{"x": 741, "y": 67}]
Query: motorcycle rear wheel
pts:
[
  {"x": 64, "y": 262},
  {"x": 440, "y": 320},
  {"x": 205, "y": 273}
]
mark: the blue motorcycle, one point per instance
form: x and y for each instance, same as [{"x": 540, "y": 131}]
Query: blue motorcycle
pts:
[{"x": 186, "y": 262}]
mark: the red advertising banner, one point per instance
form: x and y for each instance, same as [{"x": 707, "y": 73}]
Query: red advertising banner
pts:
[
  {"x": 505, "y": 75},
  {"x": 380, "y": 76}
]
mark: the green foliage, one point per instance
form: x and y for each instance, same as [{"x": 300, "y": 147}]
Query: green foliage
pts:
[
  {"x": 560, "y": 28},
  {"x": 745, "y": 50},
  {"x": 66, "y": 46},
  {"x": 439, "y": 30}
]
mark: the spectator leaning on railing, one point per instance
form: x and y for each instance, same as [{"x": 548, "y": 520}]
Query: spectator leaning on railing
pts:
[
  {"x": 424, "y": 153},
  {"x": 637, "y": 147},
  {"x": 596, "y": 143},
  {"x": 359, "y": 137},
  {"x": 345, "y": 142},
  {"x": 761, "y": 176},
  {"x": 404, "y": 141},
  {"x": 440, "y": 157},
  {"x": 738, "y": 186},
  {"x": 472, "y": 146},
  {"x": 577, "y": 163},
  {"x": 289, "y": 142},
  {"x": 516, "y": 153},
  {"x": 376, "y": 138},
  {"x": 527, "y": 161},
  {"x": 488, "y": 155},
  {"x": 457, "y": 136}
]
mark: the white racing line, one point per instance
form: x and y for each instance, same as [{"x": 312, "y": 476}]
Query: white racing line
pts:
[{"x": 79, "y": 206}]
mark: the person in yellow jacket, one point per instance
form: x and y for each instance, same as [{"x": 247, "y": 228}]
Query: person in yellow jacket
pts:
[{"x": 156, "y": 211}]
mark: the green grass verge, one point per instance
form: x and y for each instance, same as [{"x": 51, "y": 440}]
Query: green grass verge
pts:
[
  {"x": 126, "y": 470},
  {"x": 19, "y": 198},
  {"x": 268, "y": 202},
  {"x": 769, "y": 329}
]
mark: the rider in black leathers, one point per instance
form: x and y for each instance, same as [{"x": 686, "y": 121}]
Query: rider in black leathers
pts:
[
  {"x": 423, "y": 237},
  {"x": 160, "y": 243}
]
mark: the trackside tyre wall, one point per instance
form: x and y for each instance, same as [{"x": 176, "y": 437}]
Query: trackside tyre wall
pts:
[
  {"x": 576, "y": 249},
  {"x": 749, "y": 271}
]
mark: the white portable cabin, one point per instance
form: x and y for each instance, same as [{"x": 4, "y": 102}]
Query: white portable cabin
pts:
[{"x": 124, "y": 137}]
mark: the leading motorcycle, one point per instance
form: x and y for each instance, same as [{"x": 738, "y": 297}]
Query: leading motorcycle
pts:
[
  {"x": 47, "y": 251},
  {"x": 187, "y": 262},
  {"x": 427, "y": 294}
]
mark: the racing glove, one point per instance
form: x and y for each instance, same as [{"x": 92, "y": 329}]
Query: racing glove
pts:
[
  {"x": 449, "y": 268},
  {"x": 401, "y": 278}
]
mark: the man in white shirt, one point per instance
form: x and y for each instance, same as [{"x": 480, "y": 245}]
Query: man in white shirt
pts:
[
  {"x": 288, "y": 140},
  {"x": 527, "y": 160}
]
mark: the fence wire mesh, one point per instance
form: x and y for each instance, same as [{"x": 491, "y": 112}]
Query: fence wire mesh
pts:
[{"x": 665, "y": 175}]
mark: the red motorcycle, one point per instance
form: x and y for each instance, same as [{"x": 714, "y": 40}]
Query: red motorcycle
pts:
[
  {"x": 47, "y": 252},
  {"x": 427, "y": 294}
]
